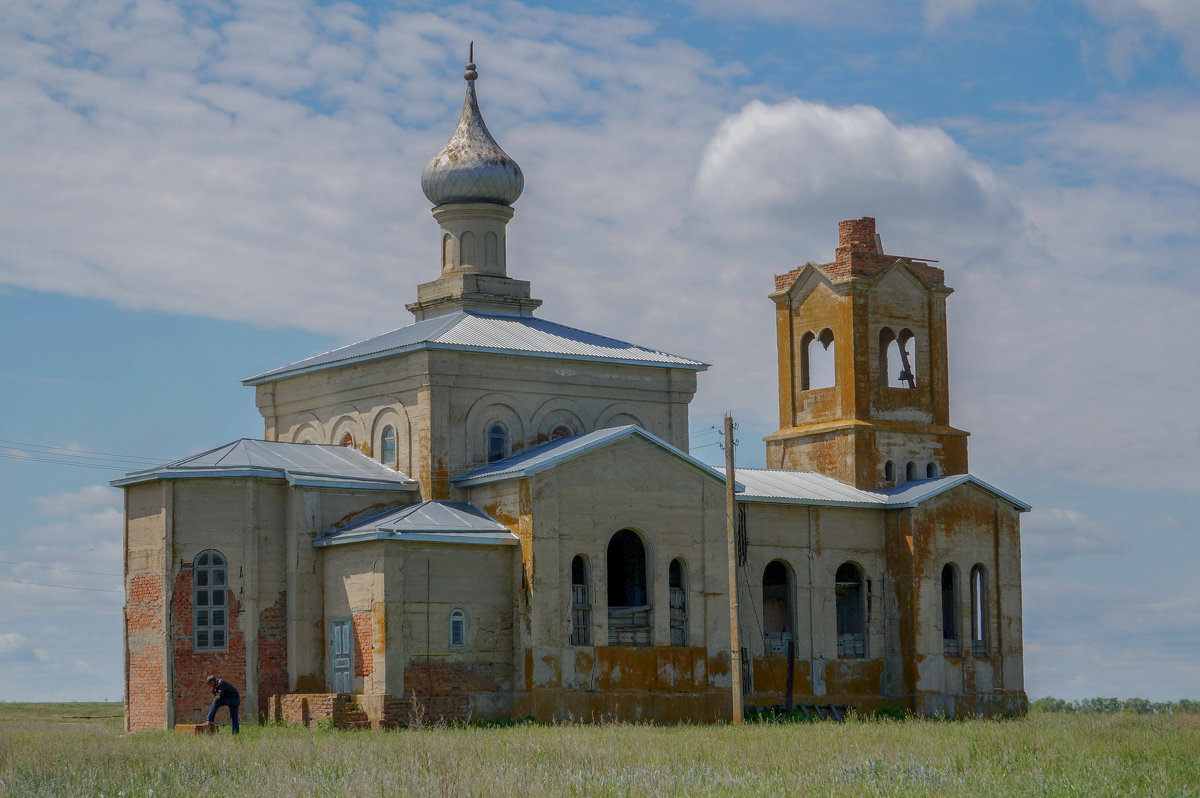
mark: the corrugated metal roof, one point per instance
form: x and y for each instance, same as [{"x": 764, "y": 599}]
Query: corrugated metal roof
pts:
[
  {"x": 299, "y": 463},
  {"x": 485, "y": 332},
  {"x": 809, "y": 487},
  {"x": 553, "y": 452},
  {"x": 428, "y": 521}
]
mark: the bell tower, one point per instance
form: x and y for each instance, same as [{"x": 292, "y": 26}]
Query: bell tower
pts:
[{"x": 863, "y": 383}]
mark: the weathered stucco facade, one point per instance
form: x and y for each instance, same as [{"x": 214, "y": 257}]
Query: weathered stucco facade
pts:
[{"x": 487, "y": 515}]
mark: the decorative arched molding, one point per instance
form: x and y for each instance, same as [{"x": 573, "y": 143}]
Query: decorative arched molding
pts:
[
  {"x": 486, "y": 411},
  {"x": 308, "y": 432},
  {"x": 349, "y": 422},
  {"x": 557, "y": 412},
  {"x": 619, "y": 414}
]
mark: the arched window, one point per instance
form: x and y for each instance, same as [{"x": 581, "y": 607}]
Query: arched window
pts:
[
  {"x": 210, "y": 630},
  {"x": 348, "y": 440},
  {"x": 491, "y": 249},
  {"x": 466, "y": 250},
  {"x": 850, "y": 600},
  {"x": 458, "y": 628},
  {"x": 979, "y": 612},
  {"x": 581, "y": 604},
  {"x": 889, "y": 471},
  {"x": 901, "y": 359},
  {"x": 388, "y": 446},
  {"x": 817, "y": 360},
  {"x": 950, "y": 644},
  {"x": 910, "y": 471},
  {"x": 628, "y": 599},
  {"x": 560, "y": 432},
  {"x": 931, "y": 471},
  {"x": 677, "y": 578},
  {"x": 777, "y": 607},
  {"x": 497, "y": 442}
]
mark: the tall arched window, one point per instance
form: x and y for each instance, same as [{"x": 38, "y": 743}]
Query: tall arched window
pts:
[
  {"x": 458, "y": 629},
  {"x": 979, "y": 612},
  {"x": 388, "y": 446},
  {"x": 889, "y": 471},
  {"x": 850, "y": 600},
  {"x": 348, "y": 440},
  {"x": 931, "y": 471},
  {"x": 497, "y": 442},
  {"x": 210, "y": 630},
  {"x": 910, "y": 471},
  {"x": 778, "y": 612},
  {"x": 677, "y": 578},
  {"x": 950, "y": 643},
  {"x": 628, "y": 599},
  {"x": 581, "y": 604}
]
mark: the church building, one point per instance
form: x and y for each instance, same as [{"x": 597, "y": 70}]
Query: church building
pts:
[{"x": 486, "y": 514}]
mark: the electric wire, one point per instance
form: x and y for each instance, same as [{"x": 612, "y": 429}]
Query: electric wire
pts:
[
  {"x": 63, "y": 587},
  {"x": 52, "y": 568}
]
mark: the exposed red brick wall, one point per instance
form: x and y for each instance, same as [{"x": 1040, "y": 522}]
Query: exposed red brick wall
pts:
[
  {"x": 146, "y": 690},
  {"x": 272, "y": 652},
  {"x": 857, "y": 233},
  {"x": 364, "y": 643},
  {"x": 856, "y": 256},
  {"x": 313, "y": 709},
  {"x": 442, "y": 688},
  {"x": 192, "y": 696}
]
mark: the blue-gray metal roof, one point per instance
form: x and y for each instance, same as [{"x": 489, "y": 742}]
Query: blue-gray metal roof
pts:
[
  {"x": 299, "y": 463},
  {"x": 553, "y": 452},
  {"x": 486, "y": 332},
  {"x": 425, "y": 522},
  {"x": 808, "y": 487}
]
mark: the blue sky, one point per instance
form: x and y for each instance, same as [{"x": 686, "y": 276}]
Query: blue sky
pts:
[{"x": 193, "y": 193}]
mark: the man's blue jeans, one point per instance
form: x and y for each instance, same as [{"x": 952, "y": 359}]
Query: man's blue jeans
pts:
[{"x": 232, "y": 703}]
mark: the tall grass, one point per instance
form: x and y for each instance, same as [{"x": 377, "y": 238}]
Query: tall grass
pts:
[{"x": 1048, "y": 754}]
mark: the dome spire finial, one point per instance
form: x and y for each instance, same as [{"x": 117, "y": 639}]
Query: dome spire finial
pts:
[{"x": 471, "y": 74}]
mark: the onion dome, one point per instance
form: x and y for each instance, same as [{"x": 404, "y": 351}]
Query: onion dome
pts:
[{"x": 472, "y": 167}]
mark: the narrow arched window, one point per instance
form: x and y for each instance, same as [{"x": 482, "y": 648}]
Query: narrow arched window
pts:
[
  {"x": 581, "y": 603},
  {"x": 466, "y": 250},
  {"x": 817, "y": 355},
  {"x": 889, "y": 471},
  {"x": 778, "y": 612},
  {"x": 348, "y": 440},
  {"x": 950, "y": 643},
  {"x": 850, "y": 601},
  {"x": 497, "y": 443},
  {"x": 628, "y": 599},
  {"x": 458, "y": 629},
  {"x": 210, "y": 615},
  {"x": 931, "y": 471},
  {"x": 491, "y": 249},
  {"x": 560, "y": 432},
  {"x": 677, "y": 579},
  {"x": 910, "y": 471},
  {"x": 388, "y": 446},
  {"x": 979, "y": 612}
]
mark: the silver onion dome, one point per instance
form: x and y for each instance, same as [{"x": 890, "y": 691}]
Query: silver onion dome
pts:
[{"x": 472, "y": 167}]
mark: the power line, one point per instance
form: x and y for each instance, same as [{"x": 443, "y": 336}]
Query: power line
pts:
[
  {"x": 67, "y": 570},
  {"x": 63, "y": 450},
  {"x": 64, "y": 587},
  {"x": 40, "y": 654},
  {"x": 31, "y": 459}
]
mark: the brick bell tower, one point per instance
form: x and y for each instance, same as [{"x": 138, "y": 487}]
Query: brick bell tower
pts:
[{"x": 863, "y": 387}]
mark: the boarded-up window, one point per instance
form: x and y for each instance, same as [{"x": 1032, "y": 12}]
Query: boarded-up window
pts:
[
  {"x": 677, "y": 577},
  {"x": 628, "y": 600},
  {"x": 581, "y": 604}
]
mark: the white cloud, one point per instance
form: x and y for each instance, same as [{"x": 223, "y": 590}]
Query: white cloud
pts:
[
  {"x": 1178, "y": 20},
  {"x": 87, "y": 498},
  {"x": 11, "y": 641}
]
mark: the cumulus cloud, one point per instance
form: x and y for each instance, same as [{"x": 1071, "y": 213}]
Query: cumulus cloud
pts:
[
  {"x": 775, "y": 167},
  {"x": 1176, "y": 20},
  {"x": 87, "y": 498},
  {"x": 11, "y": 641}
]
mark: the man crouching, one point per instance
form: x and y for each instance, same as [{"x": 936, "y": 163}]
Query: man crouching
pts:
[{"x": 226, "y": 696}]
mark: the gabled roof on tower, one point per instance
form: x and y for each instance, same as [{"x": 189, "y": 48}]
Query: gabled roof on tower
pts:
[
  {"x": 305, "y": 464},
  {"x": 482, "y": 332}
]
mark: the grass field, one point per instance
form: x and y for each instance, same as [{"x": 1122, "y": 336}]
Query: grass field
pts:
[{"x": 79, "y": 749}]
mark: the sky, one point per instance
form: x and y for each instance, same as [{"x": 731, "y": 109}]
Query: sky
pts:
[{"x": 192, "y": 193}]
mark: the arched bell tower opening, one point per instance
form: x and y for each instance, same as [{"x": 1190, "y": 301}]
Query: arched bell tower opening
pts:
[{"x": 887, "y": 400}]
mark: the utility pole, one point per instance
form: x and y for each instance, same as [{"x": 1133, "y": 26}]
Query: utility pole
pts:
[{"x": 735, "y": 647}]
